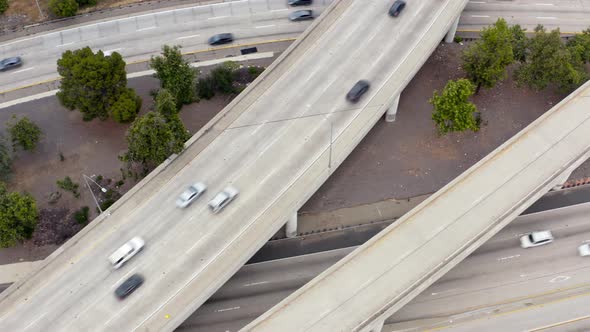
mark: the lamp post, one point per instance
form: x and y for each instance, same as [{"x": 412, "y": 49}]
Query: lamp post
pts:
[{"x": 104, "y": 190}]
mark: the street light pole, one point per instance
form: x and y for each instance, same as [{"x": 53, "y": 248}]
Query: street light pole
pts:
[{"x": 104, "y": 190}]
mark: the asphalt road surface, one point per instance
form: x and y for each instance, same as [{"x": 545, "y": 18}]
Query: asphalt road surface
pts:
[
  {"x": 498, "y": 281},
  {"x": 262, "y": 154},
  {"x": 251, "y": 22}
]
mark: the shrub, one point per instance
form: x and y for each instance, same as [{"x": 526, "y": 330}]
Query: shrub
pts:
[
  {"x": 126, "y": 107},
  {"x": 63, "y": 8},
  {"x": 24, "y": 132},
  {"x": 69, "y": 185},
  {"x": 206, "y": 88},
  {"x": 458, "y": 39},
  {"x": 3, "y": 6},
  {"x": 81, "y": 215}
]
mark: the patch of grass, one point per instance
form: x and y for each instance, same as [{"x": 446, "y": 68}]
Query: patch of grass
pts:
[
  {"x": 120, "y": 183},
  {"x": 69, "y": 185},
  {"x": 458, "y": 39},
  {"x": 81, "y": 215}
]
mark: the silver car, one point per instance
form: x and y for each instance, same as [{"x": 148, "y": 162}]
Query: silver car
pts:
[
  {"x": 128, "y": 250},
  {"x": 223, "y": 198},
  {"x": 190, "y": 194},
  {"x": 535, "y": 239}
]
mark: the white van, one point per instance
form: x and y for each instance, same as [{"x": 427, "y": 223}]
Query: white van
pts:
[
  {"x": 128, "y": 250},
  {"x": 223, "y": 198}
]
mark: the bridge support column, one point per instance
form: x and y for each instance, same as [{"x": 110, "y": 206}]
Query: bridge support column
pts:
[
  {"x": 451, "y": 33},
  {"x": 376, "y": 326},
  {"x": 392, "y": 110},
  {"x": 291, "y": 226}
]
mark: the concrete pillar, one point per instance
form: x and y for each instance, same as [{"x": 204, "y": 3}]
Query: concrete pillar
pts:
[
  {"x": 291, "y": 226},
  {"x": 451, "y": 33},
  {"x": 376, "y": 326},
  {"x": 392, "y": 110}
]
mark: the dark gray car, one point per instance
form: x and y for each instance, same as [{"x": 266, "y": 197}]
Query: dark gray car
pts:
[
  {"x": 301, "y": 15},
  {"x": 397, "y": 8},
  {"x": 9, "y": 63},
  {"x": 299, "y": 2},
  {"x": 357, "y": 91},
  {"x": 128, "y": 286},
  {"x": 222, "y": 38}
]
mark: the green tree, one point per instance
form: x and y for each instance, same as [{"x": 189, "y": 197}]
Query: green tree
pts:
[
  {"x": 519, "y": 43},
  {"x": 175, "y": 74},
  {"x": 580, "y": 44},
  {"x": 166, "y": 104},
  {"x": 550, "y": 62},
  {"x": 18, "y": 217},
  {"x": 63, "y": 8},
  {"x": 24, "y": 132},
  {"x": 127, "y": 106},
  {"x": 3, "y": 6},
  {"x": 223, "y": 77},
  {"x": 5, "y": 160},
  {"x": 93, "y": 83},
  {"x": 86, "y": 2},
  {"x": 486, "y": 60},
  {"x": 150, "y": 140},
  {"x": 452, "y": 110}
]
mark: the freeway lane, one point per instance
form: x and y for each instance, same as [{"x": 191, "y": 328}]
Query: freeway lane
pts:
[
  {"x": 139, "y": 37},
  {"x": 568, "y": 15},
  {"x": 190, "y": 253},
  {"x": 497, "y": 278}
]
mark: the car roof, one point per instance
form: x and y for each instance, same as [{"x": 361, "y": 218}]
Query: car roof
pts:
[{"x": 541, "y": 235}]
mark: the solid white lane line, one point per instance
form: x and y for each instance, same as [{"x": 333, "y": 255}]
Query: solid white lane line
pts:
[
  {"x": 264, "y": 26},
  {"x": 256, "y": 283},
  {"x": 144, "y": 29},
  {"x": 20, "y": 71},
  {"x": 546, "y": 18},
  {"x": 66, "y": 44},
  {"x": 545, "y": 4},
  {"x": 228, "y": 309},
  {"x": 216, "y": 17},
  {"x": 477, "y": 2},
  {"x": 279, "y": 10},
  {"x": 482, "y": 16},
  {"x": 185, "y": 37}
]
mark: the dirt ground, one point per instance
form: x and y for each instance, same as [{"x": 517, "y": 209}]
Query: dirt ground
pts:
[
  {"x": 396, "y": 160},
  {"x": 407, "y": 158}
]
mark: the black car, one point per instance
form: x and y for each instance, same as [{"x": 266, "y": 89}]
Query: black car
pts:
[
  {"x": 301, "y": 15},
  {"x": 397, "y": 8},
  {"x": 128, "y": 286},
  {"x": 357, "y": 91},
  {"x": 299, "y": 2},
  {"x": 222, "y": 38},
  {"x": 9, "y": 63}
]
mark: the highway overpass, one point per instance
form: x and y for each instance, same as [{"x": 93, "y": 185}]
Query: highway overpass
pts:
[
  {"x": 373, "y": 282},
  {"x": 495, "y": 280},
  {"x": 277, "y": 143}
]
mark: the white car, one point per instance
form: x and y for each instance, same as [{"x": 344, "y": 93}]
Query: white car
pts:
[
  {"x": 128, "y": 250},
  {"x": 584, "y": 250},
  {"x": 223, "y": 198},
  {"x": 189, "y": 195},
  {"x": 535, "y": 239}
]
